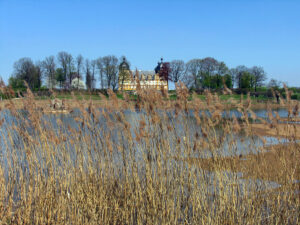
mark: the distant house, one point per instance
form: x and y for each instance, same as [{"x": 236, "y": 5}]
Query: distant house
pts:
[
  {"x": 77, "y": 83},
  {"x": 130, "y": 80}
]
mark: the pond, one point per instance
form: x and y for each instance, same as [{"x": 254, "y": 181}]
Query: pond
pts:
[
  {"x": 88, "y": 140},
  {"x": 184, "y": 126}
]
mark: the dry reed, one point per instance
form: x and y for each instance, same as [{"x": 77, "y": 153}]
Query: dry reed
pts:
[{"x": 159, "y": 162}]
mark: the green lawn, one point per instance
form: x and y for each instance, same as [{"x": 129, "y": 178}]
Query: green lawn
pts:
[{"x": 172, "y": 96}]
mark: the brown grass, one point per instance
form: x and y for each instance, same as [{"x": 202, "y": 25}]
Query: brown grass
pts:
[
  {"x": 271, "y": 164},
  {"x": 278, "y": 130},
  {"x": 135, "y": 163}
]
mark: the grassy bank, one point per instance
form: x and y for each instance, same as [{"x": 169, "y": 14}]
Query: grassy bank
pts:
[
  {"x": 171, "y": 96},
  {"x": 193, "y": 100}
]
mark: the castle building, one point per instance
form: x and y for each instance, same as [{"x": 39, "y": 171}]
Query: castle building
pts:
[{"x": 130, "y": 80}]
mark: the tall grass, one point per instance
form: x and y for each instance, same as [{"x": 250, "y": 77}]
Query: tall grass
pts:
[{"x": 151, "y": 162}]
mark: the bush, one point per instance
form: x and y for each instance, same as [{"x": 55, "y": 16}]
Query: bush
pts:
[{"x": 295, "y": 96}]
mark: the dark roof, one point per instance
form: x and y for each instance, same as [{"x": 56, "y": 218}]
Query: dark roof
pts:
[
  {"x": 159, "y": 66},
  {"x": 124, "y": 65}
]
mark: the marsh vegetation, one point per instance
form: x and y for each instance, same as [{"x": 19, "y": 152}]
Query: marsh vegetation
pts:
[{"x": 151, "y": 162}]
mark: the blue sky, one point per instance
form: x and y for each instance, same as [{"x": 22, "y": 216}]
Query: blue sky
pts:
[{"x": 263, "y": 33}]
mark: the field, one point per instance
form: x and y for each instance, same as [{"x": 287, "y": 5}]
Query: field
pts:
[{"x": 149, "y": 161}]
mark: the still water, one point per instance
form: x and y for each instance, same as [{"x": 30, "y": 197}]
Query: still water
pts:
[
  {"x": 79, "y": 136},
  {"x": 184, "y": 127}
]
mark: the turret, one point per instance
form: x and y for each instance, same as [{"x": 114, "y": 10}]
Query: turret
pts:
[{"x": 124, "y": 65}]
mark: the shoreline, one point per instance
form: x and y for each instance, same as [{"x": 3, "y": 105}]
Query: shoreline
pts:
[{"x": 192, "y": 104}]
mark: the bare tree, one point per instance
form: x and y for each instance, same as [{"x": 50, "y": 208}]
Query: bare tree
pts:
[
  {"x": 110, "y": 70},
  {"x": 60, "y": 77},
  {"x": 93, "y": 71},
  {"x": 193, "y": 70},
  {"x": 38, "y": 74},
  {"x": 70, "y": 64},
  {"x": 62, "y": 60},
  {"x": 259, "y": 76},
  {"x": 176, "y": 70},
  {"x": 275, "y": 84},
  {"x": 238, "y": 74},
  {"x": 66, "y": 62},
  {"x": 100, "y": 68},
  {"x": 88, "y": 76},
  {"x": 209, "y": 66},
  {"x": 49, "y": 68},
  {"x": 221, "y": 70},
  {"x": 79, "y": 64}
]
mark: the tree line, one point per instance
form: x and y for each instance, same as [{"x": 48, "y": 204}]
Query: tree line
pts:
[
  {"x": 213, "y": 74},
  {"x": 68, "y": 72}
]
